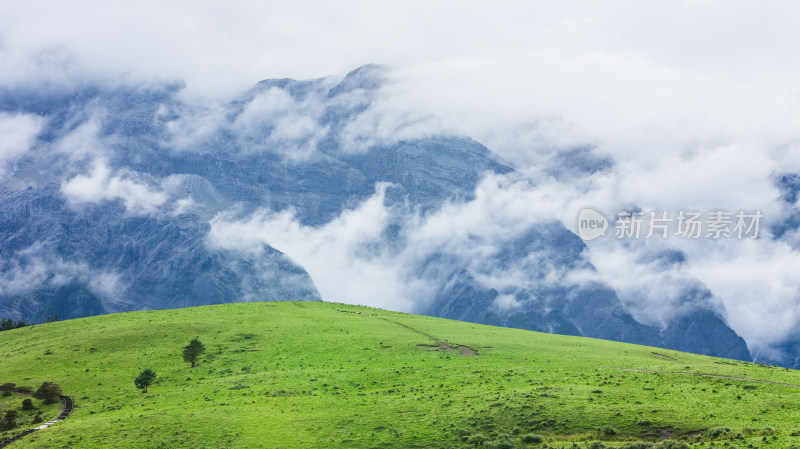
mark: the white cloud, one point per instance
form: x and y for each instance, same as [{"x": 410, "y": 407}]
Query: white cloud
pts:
[
  {"x": 17, "y": 134},
  {"x": 271, "y": 121},
  {"x": 337, "y": 255},
  {"x": 274, "y": 121},
  {"x": 504, "y": 303},
  {"x": 101, "y": 185},
  {"x": 758, "y": 282},
  {"x": 265, "y": 107},
  {"x": 195, "y": 124},
  {"x": 83, "y": 141},
  {"x": 183, "y": 205}
]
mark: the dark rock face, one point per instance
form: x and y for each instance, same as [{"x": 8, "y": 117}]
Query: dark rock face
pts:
[
  {"x": 704, "y": 332},
  {"x": 150, "y": 262},
  {"x": 133, "y": 245},
  {"x": 786, "y": 354}
]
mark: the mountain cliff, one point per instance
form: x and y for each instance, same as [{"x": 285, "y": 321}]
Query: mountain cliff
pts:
[{"x": 113, "y": 206}]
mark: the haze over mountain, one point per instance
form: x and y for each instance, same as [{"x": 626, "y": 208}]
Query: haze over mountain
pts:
[
  {"x": 130, "y": 197},
  {"x": 677, "y": 106}
]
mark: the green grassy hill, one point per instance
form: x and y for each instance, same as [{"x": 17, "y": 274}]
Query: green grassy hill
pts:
[{"x": 293, "y": 375}]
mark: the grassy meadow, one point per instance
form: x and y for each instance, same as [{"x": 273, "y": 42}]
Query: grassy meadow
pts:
[{"x": 327, "y": 375}]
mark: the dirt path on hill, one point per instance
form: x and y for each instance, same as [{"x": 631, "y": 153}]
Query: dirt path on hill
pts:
[
  {"x": 65, "y": 411},
  {"x": 717, "y": 376},
  {"x": 443, "y": 345}
]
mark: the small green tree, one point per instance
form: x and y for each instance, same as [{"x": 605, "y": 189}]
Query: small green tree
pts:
[
  {"x": 49, "y": 392},
  {"x": 193, "y": 350},
  {"x": 11, "y": 419},
  {"x": 27, "y": 404},
  {"x": 145, "y": 379}
]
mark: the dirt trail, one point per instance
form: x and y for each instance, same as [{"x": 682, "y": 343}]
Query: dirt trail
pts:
[
  {"x": 444, "y": 346},
  {"x": 717, "y": 376},
  {"x": 65, "y": 411}
]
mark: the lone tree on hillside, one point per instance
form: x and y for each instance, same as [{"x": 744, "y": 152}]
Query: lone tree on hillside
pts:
[
  {"x": 193, "y": 350},
  {"x": 27, "y": 404},
  {"x": 49, "y": 392},
  {"x": 145, "y": 379}
]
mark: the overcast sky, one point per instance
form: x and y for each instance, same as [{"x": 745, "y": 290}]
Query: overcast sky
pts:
[
  {"x": 220, "y": 47},
  {"x": 671, "y": 73},
  {"x": 697, "y": 102}
]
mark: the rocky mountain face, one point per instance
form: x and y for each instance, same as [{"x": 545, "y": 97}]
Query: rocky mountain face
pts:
[
  {"x": 98, "y": 259},
  {"x": 111, "y": 210}
]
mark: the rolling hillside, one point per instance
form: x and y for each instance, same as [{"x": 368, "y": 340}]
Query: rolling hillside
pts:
[{"x": 310, "y": 374}]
